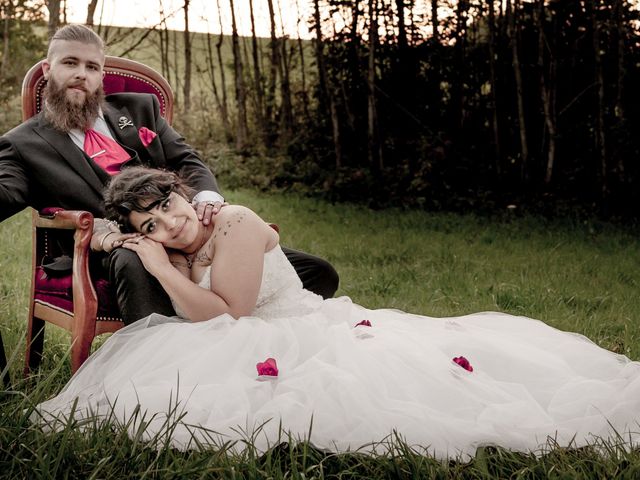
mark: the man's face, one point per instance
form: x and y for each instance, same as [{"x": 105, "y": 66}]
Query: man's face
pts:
[{"x": 75, "y": 67}]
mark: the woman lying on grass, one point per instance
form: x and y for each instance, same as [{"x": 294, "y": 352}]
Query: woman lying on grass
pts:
[{"x": 253, "y": 355}]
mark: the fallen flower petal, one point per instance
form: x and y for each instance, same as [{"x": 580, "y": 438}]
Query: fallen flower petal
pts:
[
  {"x": 464, "y": 363},
  {"x": 268, "y": 367},
  {"x": 363, "y": 323}
]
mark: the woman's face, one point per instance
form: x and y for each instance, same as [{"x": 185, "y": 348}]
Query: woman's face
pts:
[{"x": 172, "y": 222}]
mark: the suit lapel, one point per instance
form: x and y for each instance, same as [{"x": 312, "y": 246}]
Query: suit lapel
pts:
[
  {"x": 69, "y": 152},
  {"x": 124, "y": 131}
]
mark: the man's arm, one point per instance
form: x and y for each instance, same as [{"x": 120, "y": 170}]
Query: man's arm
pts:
[
  {"x": 14, "y": 183},
  {"x": 182, "y": 157}
]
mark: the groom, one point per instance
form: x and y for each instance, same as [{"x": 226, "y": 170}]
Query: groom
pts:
[{"x": 65, "y": 156}]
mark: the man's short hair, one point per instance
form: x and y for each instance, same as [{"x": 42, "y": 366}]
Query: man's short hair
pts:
[{"x": 76, "y": 33}]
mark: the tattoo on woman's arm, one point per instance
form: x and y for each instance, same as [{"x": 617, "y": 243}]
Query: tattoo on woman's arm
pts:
[{"x": 223, "y": 230}]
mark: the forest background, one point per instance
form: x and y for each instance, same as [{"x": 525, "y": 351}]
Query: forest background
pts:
[{"x": 467, "y": 105}]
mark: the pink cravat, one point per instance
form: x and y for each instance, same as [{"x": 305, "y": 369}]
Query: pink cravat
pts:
[{"x": 107, "y": 153}]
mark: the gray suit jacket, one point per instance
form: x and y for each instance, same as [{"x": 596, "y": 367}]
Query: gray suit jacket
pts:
[{"x": 41, "y": 167}]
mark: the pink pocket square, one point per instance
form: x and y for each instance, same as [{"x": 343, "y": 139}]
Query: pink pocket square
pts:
[{"x": 146, "y": 135}]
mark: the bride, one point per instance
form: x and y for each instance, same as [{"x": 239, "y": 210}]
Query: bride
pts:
[{"x": 253, "y": 356}]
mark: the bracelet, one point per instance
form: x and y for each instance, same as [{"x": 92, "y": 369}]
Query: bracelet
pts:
[{"x": 104, "y": 237}]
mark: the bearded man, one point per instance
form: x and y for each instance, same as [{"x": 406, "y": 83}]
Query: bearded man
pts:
[{"x": 65, "y": 156}]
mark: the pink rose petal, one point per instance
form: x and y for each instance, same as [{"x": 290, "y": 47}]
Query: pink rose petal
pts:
[
  {"x": 464, "y": 363},
  {"x": 363, "y": 323},
  {"x": 268, "y": 368},
  {"x": 146, "y": 135}
]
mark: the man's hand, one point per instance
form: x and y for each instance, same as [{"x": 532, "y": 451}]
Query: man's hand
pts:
[{"x": 207, "y": 210}]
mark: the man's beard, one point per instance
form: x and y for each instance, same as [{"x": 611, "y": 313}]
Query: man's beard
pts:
[{"x": 65, "y": 115}]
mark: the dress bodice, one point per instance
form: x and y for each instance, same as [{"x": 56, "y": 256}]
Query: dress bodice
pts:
[{"x": 280, "y": 289}]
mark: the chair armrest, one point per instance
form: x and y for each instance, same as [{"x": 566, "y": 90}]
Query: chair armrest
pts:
[
  {"x": 82, "y": 222},
  {"x": 65, "y": 219}
]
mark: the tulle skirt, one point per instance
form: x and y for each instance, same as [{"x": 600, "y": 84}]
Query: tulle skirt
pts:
[{"x": 345, "y": 387}]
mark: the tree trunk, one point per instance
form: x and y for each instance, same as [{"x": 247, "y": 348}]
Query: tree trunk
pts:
[
  {"x": 176, "y": 64},
  {"x": 274, "y": 61},
  {"x": 187, "y": 60},
  {"x": 600, "y": 137},
  {"x": 53, "y": 6},
  {"x": 91, "y": 10},
  {"x": 354, "y": 74},
  {"x": 7, "y": 17},
  {"x": 286, "y": 106},
  {"x": 303, "y": 68},
  {"x": 517, "y": 72},
  {"x": 547, "y": 91},
  {"x": 325, "y": 90},
  {"x": 242, "y": 129},
  {"x": 222, "y": 108},
  {"x": 621, "y": 34},
  {"x": 223, "y": 76},
  {"x": 164, "y": 44},
  {"x": 460, "y": 54},
  {"x": 495, "y": 125},
  {"x": 435, "y": 21},
  {"x": 373, "y": 145},
  {"x": 402, "y": 29},
  {"x": 257, "y": 74},
  {"x": 620, "y": 30}
]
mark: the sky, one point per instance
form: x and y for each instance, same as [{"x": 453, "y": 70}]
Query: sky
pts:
[{"x": 203, "y": 15}]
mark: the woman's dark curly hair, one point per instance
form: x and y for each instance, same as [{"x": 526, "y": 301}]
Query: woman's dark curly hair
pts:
[{"x": 139, "y": 189}]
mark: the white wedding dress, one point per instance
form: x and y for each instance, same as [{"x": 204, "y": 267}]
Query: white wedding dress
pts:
[{"x": 344, "y": 387}]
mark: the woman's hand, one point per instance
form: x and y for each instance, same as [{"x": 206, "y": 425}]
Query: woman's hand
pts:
[
  {"x": 107, "y": 236},
  {"x": 153, "y": 255}
]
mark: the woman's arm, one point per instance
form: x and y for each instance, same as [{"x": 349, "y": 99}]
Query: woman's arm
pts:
[{"x": 240, "y": 239}]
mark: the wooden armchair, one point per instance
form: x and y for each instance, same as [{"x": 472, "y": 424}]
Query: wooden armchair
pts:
[{"x": 77, "y": 302}]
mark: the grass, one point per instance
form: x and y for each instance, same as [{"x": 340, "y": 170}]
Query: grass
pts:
[{"x": 575, "y": 275}]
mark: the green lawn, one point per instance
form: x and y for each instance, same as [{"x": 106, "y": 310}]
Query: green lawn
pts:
[{"x": 578, "y": 276}]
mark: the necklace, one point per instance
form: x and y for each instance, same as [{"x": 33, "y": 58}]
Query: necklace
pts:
[{"x": 191, "y": 257}]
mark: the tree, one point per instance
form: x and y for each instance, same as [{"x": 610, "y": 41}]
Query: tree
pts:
[
  {"x": 493, "y": 103},
  {"x": 374, "y": 152},
  {"x": 91, "y": 10},
  {"x": 258, "y": 85},
  {"x": 241, "y": 96},
  {"x": 274, "y": 62},
  {"x": 620, "y": 29},
  {"x": 53, "y": 6},
  {"x": 21, "y": 45},
  {"x": 325, "y": 92},
  {"x": 600, "y": 136},
  {"x": 435, "y": 21},
  {"x": 514, "y": 40},
  {"x": 223, "y": 80},
  {"x": 187, "y": 59},
  {"x": 547, "y": 89}
]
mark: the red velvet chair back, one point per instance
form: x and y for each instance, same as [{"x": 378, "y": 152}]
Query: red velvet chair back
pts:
[{"x": 120, "y": 75}]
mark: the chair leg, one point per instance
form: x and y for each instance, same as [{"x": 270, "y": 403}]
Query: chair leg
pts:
[
  {"x": 35, "y": 340},
  {"x": 4, "y": 379},
  {"x": 83, "y": 332}
]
